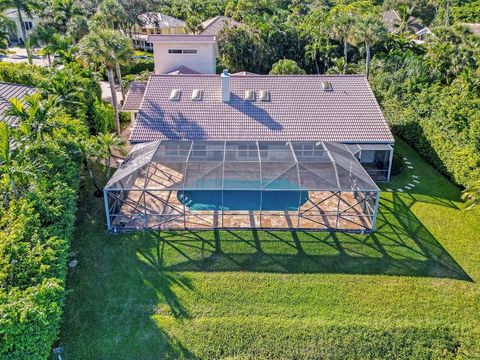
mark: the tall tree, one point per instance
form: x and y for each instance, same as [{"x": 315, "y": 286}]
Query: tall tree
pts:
[
  {"x": 5, "y": 26},
  {"x": 123, "y": 50},
  {"x": 105, "y": 47},
  {"x": 45, "y": 36},
  {"x": 35, "y": 117},
  {"x": 342, "y": 31},
  {"x": 12, "y": 169},
  {"x": 107, "y": 145},
  {"x": 22, "y": 6},
  {"x": 64, "y": 11},
  {"x": 369, "y": 30},
  {"x": 407, "y": 20},
  {"x": 286, "y": 67}
]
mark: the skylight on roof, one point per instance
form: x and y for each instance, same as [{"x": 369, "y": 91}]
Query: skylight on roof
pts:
[
  {"x": 197, "y": 94},
  {"x": 249, "y": 95},
  {"x": 264, "y": 95},
  {"x": 175, "y": 94},
  {"x": 327, "y": 86}
]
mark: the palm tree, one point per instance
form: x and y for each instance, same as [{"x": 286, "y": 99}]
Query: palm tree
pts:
[
  {"x": 369, "y": 30},
  {"x": 45, "y": 37},
  {"x": 342, "y": 31},
  {"x": 124, "y": 53},
  {"x": 25, "y": 6},
  {"x": 11, "y": 167},
  {"x": 35, "y": 117},
  {"x": 88, "y": 151},
  {"x": 107, "y": 144},
  {"x": 65, "y": 10},
  {"x": 105, "y": 47},
  {"x": 5, "y": 26},
  {"x": 406, "y": 18},
  {"x": 471, "y": 196}
]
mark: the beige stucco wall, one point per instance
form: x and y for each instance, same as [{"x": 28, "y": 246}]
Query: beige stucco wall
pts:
[{"x": 203, "y": 61}]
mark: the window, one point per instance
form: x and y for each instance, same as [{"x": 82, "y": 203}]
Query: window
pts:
[
  {"x": 28, "y": 25},
  {"x": 182, "y": 51},
  {"x": 247, "y": 151},
  {"x": 308, "y": 151},
  {"x": 172, "y": 150}
]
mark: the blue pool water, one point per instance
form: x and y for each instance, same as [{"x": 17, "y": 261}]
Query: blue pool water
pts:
[
  {"x": 275, "y": 200},
  {"x": 242, "y": 200}
]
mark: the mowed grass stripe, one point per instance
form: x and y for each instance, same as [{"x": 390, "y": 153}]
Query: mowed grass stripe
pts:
[{"x": 408, "y": 291}]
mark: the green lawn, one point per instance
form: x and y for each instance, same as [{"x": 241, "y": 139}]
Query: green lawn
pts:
[{"x": 410, "y": 290}]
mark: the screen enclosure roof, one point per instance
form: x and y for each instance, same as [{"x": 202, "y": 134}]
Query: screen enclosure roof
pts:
[{"x": 241, "y": 165}]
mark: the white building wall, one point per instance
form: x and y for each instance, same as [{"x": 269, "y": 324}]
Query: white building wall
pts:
[
  {"x": 203, "y": 61},
  {"x": 17, "y": 35}
]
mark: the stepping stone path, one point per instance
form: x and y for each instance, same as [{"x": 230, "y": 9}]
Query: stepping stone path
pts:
[
  {"x": 416, "y": 181},
  {"x": 410, "y": 167},
  {"x": 408, "y": 163},
  {"x": 411, "y": 185},
  {"x": 389, "y": 190},
  {"x": 400, "y": 190},
  {"x": 415, "y": 176},
  {"x": 73, "y": 263}
]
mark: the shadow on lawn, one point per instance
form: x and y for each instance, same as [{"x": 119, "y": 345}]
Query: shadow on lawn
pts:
[{"x": 401, "y": 246}]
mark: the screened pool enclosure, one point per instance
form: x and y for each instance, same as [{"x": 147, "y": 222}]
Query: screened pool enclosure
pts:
[{"x": 233, "y": 185}]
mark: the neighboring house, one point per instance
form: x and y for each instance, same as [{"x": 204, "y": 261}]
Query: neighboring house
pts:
[
  {"x": 153, "y": 23},
  {"x": 216, "y": 24},
  {"x": 422, "y": 34},
  {"x": 196, "y": 52},
  {"x": 249, "y": 151},
  {"x": 12, "y": 91},
  {"x": 391, "y": 20},
  {"x": 30, "y": 24}
]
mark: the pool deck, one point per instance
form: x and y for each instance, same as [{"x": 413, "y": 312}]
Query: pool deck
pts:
[{"x": 161, "y": 209}]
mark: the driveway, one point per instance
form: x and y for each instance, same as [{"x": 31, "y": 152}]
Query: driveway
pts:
[
  {"x": 107, "y": 94},
  {"x": 19, "y": 55}
]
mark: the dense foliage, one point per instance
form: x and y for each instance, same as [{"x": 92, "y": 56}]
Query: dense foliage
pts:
[
  {"x": 429, "y": 92},
  {"x": 34, "y": 246},
  {"x": 40, "y": 163},
  {"x": 431, "y": 98}
]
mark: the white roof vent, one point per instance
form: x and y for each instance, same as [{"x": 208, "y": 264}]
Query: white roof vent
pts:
[
  {"x": 327, "y": 86},
  {"x": 249, "y": 95},
  {"x": 175, "y": 94},
  {"x": 264, "y": 95},
  {"x": 197, "y": 94}
]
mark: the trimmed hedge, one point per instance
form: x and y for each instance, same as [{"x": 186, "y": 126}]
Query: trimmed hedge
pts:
[
  {"x": 22, "y": 73},
  {"x": 34, "y": 246},
  {"x": 35, "y": 233}
]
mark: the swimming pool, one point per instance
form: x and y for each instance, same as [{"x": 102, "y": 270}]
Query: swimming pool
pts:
[{"x": 276, "y": 199}]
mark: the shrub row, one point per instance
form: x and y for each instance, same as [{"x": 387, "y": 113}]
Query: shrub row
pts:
[
  {"x": 35, "y": 229},
  {"x": 35, "y": 232},
  {"x": 446, "y": 133}
]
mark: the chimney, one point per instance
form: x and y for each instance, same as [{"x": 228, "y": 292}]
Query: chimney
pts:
[{"x": 225, "y": 77}]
